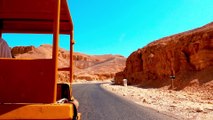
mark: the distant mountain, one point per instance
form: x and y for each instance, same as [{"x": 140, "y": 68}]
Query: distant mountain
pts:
[
  {"x": 86, "y": 67},
  {"x": 187, "y": 55}
]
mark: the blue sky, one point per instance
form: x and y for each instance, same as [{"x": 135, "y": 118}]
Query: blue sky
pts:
[{"x": 123, "y": 26}]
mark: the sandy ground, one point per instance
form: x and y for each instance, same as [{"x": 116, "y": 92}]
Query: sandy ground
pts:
[
  {"x": 91, "y": 82},
  {"x": 185, "y": 104}
]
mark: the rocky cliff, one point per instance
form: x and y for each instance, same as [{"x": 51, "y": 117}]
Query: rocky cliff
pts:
[
  {"x": 20, "y": 50},
  {"x": 188, "y": 56},
  {"x": 86, "y": 67}
]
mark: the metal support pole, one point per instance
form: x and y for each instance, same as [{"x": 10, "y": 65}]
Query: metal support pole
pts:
[
  {"x": 1, "y": 27},
  {"x": 55, "y": 44},
  {"x": 72, "y": 42},
  {"x": 172, "y": 84},
  {"x": 172, "y": 77},
  {"x": 0, "y": 33}
]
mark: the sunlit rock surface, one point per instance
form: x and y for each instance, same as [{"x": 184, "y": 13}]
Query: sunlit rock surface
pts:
[
  {"x": 188, "y": 56},
  {"x": 86, "y": 67}
]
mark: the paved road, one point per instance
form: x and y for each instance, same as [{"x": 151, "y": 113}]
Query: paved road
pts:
[{"x": 99, "y": 104}]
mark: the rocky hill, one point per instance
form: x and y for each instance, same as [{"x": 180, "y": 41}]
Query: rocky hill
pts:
[
  {"x": 86, "y": 67},
  {"x": 188, "y": 56}
]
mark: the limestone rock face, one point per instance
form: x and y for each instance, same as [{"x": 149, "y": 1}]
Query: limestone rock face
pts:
[
  {"x": 184, "y": 55},
  {"x": 86, "y": 67},
  {"x": 21, "y": 49}
]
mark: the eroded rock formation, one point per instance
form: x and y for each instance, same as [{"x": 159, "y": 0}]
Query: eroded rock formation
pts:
[
  {"x": 187, "y": 55},
  {"x": 86, "y": 67},
  {"x": 21, "y": 49}
]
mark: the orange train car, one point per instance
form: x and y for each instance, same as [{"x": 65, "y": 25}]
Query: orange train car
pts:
[{"x": 28, "y": 87}]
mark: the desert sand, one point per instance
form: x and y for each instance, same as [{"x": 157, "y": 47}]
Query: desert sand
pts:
[{"x": 187, "y": 104}]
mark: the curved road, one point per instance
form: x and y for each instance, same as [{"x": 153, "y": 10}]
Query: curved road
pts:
[{"x": 99, "y": 104}]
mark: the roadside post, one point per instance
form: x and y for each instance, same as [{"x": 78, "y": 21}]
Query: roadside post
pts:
[
  {"x": 172, "y": 81},
  {"x": 125, "y": 82}
]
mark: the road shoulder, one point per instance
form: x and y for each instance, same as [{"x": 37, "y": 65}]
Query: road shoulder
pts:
[{"x": 172, "y": 103}]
